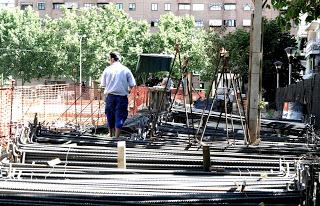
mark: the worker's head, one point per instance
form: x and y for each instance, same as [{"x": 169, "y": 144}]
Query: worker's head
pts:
[{"x": 114, "y": 57}]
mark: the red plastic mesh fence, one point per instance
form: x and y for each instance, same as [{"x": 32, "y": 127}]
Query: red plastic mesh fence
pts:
[
  {"x": 62, "y": 104},
  {"x": 51, "y": 103}
]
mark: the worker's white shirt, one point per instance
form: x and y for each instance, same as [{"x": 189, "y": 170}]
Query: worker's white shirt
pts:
[
  {"x": 116, "y": 79},
  {"x": 168, "y": 86}
]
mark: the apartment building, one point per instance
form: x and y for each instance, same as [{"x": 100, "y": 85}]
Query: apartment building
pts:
[
  {"x": 312, "y": 50},
  {"x": 217, "y": 14}
]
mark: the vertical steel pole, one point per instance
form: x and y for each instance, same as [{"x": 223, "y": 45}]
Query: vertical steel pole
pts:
[
  {"x": 80, "y": 78},
  {"x": 80, "y": 66},
  {"x": 290, "y": 71},
  {"x": 277, "y": 78}
]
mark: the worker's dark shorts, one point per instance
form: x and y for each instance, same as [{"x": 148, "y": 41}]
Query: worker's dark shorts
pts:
[{"x": 116, "y": 110}]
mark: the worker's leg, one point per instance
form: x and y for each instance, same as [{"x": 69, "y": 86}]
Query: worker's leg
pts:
[
  {"x": 121, "y": 113},
  {"x": 117, "y": 132},
  {"x": 111, "y": 132},
  {"x": 110, "y": 114}
]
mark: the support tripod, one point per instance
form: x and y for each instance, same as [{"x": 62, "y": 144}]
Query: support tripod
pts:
[
  {"x": 221, "y": 74},
  {"x": 155, "y": 117}
]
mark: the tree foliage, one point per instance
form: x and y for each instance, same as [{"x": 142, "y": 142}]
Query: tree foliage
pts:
[
  {"x": 237, "y": 44},
  {"x": 20, "y": 39},
  {"x": 180, "y": 30},
  {"x": 214, "y": 43},
  {"x": 274, "y": 42},
  {"x": 33, "y": 47},
  {"x": 293, "y": 9},
  {"x": 100, "y": 31}
]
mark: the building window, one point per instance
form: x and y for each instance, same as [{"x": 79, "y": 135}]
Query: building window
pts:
[
  {"x": 119, "y": 6},
  {"x": 41, "y": 6},
  {"x": 154, "y": 7},
  {"x": 167, "y": 7},
  {"x": 229, "y": 6},
  {"x": 199, "y": 23},
  {"x": 246, "y": 22},
  {"x": 25, "y": 6},
  {"x": 184, "y": 6},
  {"x": 215, "y": 22},
  {"x": 197, "y": 7},
  {"x": 102, "y": 5},
  {"x": 247, "y": 7},
  {"x": 230, "y": 23},
  {"x": 215, "y": 6},
  {"x": 89, "y": 5},
  {"x": 154, "y": 23},
  {"x": 57, "y": 6},
  {"x": 132, "y": 7},
  {"x": 71, "y": 5},
  {"x": 7, "y": 4}
]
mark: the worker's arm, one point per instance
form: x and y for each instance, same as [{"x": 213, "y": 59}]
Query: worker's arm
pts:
[
  {"x": 131, "y": 81},
  {"x": 102, "y": 80}
]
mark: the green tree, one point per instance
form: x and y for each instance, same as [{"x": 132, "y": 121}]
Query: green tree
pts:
[
  {"x": 275, "y": 41},
  {"x": 292, "y": 10},
  {"x": 237, "y": 43},
  {"x": 214, "y": 43},
  {"x": 20, "y": 41},
  {"x": 101, "y": 31},
  {"x": 33, "y": 47},
  {"x": 180, "y": 30}
]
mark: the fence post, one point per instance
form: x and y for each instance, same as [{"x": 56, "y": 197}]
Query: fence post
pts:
[{"x": 206, "y": 158}]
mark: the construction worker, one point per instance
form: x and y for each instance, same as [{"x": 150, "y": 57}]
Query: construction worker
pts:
[
  {"x": 118, "y": 81},
  {"x": 167, "y": 83}
]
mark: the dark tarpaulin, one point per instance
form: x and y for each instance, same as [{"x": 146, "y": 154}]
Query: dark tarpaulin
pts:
[
  {"x": 280, "y": 98},
  {"x": 300, "y": 92},
  {"x": 306, "y": 92},
  {"x": 151, "y": 63}
]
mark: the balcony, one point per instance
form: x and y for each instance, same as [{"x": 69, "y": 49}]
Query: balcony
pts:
[{"x": 313, "y": 48}]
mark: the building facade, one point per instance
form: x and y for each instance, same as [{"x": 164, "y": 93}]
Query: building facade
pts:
[
  {"x": 226, "y": 15},
  {"x": 7, "y": 4},
  {"x": 312, "y": 50}
]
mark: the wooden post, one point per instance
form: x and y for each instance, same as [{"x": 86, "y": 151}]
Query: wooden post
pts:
[
  {"x": 206, "y": 158},
  {"x": 122, "y": 164},
  {"x": 255, "y": 64}
]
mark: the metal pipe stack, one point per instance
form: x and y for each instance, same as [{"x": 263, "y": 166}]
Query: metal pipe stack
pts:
[{"x": 68, "y": 169}]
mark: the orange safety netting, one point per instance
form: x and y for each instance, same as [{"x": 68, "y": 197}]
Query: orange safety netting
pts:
[{"x": 63, "y": 104}]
